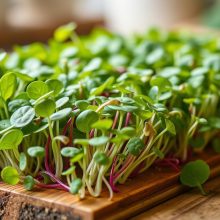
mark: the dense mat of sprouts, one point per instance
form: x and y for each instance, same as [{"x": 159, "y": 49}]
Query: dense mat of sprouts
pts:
[{"x": 83, "y": 112}]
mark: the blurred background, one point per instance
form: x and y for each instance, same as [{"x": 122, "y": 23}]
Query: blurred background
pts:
[{"x": 24, "y": 21}]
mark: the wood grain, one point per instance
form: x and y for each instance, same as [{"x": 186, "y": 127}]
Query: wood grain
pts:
[
  {"x": 137, "y": 195},
  {"x": 190, "y": 205}
]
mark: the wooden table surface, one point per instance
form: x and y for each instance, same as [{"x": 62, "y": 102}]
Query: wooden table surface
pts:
[{"x": 188, "y": 206}]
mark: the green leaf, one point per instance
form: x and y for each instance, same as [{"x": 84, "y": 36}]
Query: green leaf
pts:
[
  {"x": 145, "y": 114},
  {"x": 8, "y": 85},
  {"x": 11, "y": 139},
  {"x": 37, "y": 89},
  {"x": 23, "y": 76},
  {"x": 135, "y": 145},
  {"x": 60, "y": 114},
  {"x": 16, "y": 104},
  {"x": 29, "y": 182},
  {"x": 70, "y": 151},
  {"x": 170, "y": 126},
  {"x": 155, "y": 56},
  {"x": 63, "y": 33},
  {"x": 82, "y": 142},
  {"x": 69, "y": 171},
  {"x": 62, "y": 101},
  {"x": 77, "y": 156},
  {"x": 45, "y": 108},
  {"x": 195, "y": 173},
  {"x": 101, "y": 158},
  {"x": 82, "y": 104},
  {"x": 124, "y": 108},
  {"x": 85, "y": 120},
  {"x": 100, "y": 89},
  {"x": 10, "y": 175},
  {"x": 22, "y": 116},
  {"x": 93, "y": 65},
  {"x": 129, "y": 131},
  {"x": 103, "y": 124},
  {"x": 36, "y": 151},
  {"x": 4, "y": 124},
  {"x": 22, "y": 161},
  {"x": 98, "y": 141},
  {"x": 55, "y": 85},
  {"x": 200, "y": 71},
  {"x": 162, "y": 83},
  {"x": 75, "y": 186}
]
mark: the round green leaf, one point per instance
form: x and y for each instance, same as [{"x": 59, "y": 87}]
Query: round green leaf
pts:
[
  {"x": 104, "y": 124},
  {"x": 98, "y": 141},
  {"x": 29, "y": 182},
  {"x": 70, "y": 151},
  {"x": 22, "y": 116},
  {"x": 195, "y": 173},
  {"x": 45, "y": 108},
  {"x": 55, "y": 85},
  {"x": 82, "y": 104},
  {"x": 75, "y": 186},
  {"x": 101, "y": 158},
  {"x": 135, "y": 145},
  {"x": 36, "y": 151},
  {"x": 85, "y": 120},
  {"x": 11, "y": 139},
  {"x": 10, "y": 175},
  {"x": 60, "y": 114},
  {"x": 37, "y": 89}
]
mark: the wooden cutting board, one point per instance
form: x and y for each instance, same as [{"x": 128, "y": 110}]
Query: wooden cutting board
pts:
[{"x": 142, "y": 192}]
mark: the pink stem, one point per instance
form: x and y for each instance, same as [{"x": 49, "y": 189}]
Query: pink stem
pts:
[
  {"x": 91, "y": 134},
  {"x": 115, "y": 120},
  {"x": 66, "y": 126},
  {"x": 50, "y": 186},
  {"x": 127, "y": 120},
  {"x": 57, "y": 180},
  {"x": 123, "y": 168},
  {"x": 111, "y": 177}
]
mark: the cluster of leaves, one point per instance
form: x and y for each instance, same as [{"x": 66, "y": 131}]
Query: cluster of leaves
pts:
[{"x": 78, "y": 113}]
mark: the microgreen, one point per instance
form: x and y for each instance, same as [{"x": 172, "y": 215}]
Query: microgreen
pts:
[
  {"x": 86, "y": 111},
  {"x": 7, "y": 85},
  {"x": 194, "y": 174},
  {"x": 22, "y": 116},
  {"x": 29, "y": 182},
  {"x": 75, "y": 186},
  {"x": 11, "y": 139},
  {"x": 36, "y": 151},
  {"x": 45, "y": 108},
  {"x": 135, "y": 145},
  {"x": 85, "y": 120},
  {"x": 36, "y": 89},
  {"x": 10, "y": 175}
]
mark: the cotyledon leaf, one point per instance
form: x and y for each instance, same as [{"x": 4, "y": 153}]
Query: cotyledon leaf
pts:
[{"x": 22, "y": 117}]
